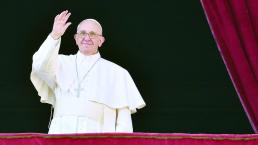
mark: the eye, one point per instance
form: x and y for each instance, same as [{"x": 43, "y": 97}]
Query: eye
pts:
[
  {"x": 91, "y": 33},
  {"x": 82, "y": 33}
]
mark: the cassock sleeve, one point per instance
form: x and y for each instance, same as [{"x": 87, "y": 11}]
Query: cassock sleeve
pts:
[
  {"x": 44, "y": 67},
  {"x": 121, "y": 93},
  {"x": 134, "y": 98},
  {"x": 124, "y": 120}
]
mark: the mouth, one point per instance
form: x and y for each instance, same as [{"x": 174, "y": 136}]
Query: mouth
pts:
[{"x": 87, "y": 42}]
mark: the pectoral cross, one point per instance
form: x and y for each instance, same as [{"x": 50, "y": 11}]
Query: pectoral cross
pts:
[{"x": 78, "y": 90}]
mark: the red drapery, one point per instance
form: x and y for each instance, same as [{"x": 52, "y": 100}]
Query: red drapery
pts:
[
  {"x": 128, "y": 139},
  {"x": 234, "y": 24}
]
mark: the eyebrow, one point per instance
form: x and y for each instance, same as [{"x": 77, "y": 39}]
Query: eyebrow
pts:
[
  {"x": 87, "y": 32},
  {"x": 83, "y": 31}
]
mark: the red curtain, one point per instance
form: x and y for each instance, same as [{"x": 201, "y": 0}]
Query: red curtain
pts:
[
  {"x": 128, "y": 139},
  {"x": 234, "y": 24}
]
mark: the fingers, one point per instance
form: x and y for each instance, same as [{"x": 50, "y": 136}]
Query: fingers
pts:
[
  {"x": 61, "y": 16},
  {"x": 65, "y": 18},
  {"x": 56, "y": 17},
  {"x": 60, "y": 24},
  {"x": 67, "y": 25}
]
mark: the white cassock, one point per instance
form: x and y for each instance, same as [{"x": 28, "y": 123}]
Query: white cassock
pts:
[{"x": 104, "y": 102}]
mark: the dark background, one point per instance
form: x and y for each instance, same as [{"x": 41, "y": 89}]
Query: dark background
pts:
[{"x": 166, "y": 46}]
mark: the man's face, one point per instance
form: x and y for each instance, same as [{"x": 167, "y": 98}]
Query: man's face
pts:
[{"x": 89, "y": 37}]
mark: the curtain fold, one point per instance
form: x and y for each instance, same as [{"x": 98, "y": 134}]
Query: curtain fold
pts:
[{"x": 234, "y": 25}]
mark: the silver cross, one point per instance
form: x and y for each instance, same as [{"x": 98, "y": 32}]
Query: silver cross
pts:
[{"x": 78, "y": 90}]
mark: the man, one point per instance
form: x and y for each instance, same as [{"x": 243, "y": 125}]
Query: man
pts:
[{"x": 88, "y": 93}]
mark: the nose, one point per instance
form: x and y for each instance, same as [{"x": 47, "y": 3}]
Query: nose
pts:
[{"x": 86, "y": 36}]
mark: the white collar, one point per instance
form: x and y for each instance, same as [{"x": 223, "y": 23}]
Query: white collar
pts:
[{"x": 87, "y": 58}]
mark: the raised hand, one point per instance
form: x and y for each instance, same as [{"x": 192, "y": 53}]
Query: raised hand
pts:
[{"x": 60, "y": 24}]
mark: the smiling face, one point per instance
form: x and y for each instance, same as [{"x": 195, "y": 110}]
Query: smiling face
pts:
[{"x": 89, "y": 37}]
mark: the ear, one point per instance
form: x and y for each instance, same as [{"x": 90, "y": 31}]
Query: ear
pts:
[
  {"x": 74, "y": 36},
  {"x": 101, "y": 40}
]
